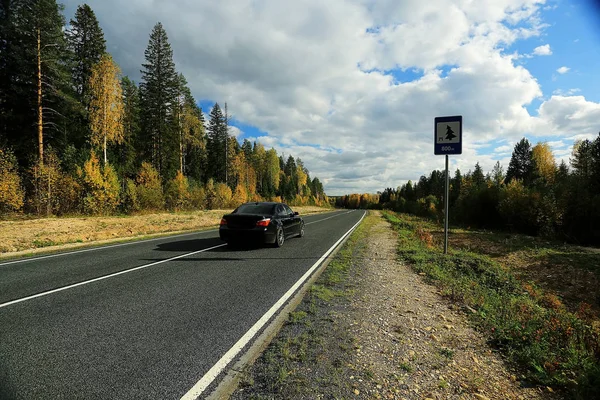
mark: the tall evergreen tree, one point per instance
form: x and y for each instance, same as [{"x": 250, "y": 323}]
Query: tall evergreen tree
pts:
[
  {"x": 521, "y": 165},
  {"x": 86, "y": 44},
  {"x": 86, "y": 41},
  {"x": 158, "y": 97},
  {"x": 216, "y": 137},
  {"x": 478, "y": 177}
]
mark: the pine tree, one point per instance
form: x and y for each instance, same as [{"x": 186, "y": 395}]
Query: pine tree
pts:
[
  {"x": 86, "y": 41},
  {"x": 478, "y": 178},
  {"x": 520, "y": 166},
  {"x": 498, "y": 175},
  {"x": 216, "y": 144},
  {"x": 158, "y": 97}
]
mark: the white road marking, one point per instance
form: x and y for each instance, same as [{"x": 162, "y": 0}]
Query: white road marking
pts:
[
  {"x": 123, "y": 244},
  {"x": 216, "y": 369},
  {"x": 333, "y": 216},
  {"x": 105, "y": 277}
]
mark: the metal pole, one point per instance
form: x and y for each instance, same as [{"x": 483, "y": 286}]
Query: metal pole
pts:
[{"x": 446, "y": 207}]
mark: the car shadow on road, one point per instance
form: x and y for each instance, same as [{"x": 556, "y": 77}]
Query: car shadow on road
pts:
[{"x": 189, "y": 245}]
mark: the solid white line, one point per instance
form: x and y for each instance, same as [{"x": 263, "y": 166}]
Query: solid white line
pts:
[
  {"x": 104, "y": 277},
  {"x": 122, "y": 244},
  {"x": 216, "y": 369}
]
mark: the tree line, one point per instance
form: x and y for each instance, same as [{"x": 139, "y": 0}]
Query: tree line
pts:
[
  {"x": 78, "y": 137},
  {"x": 534, "y": 196}
]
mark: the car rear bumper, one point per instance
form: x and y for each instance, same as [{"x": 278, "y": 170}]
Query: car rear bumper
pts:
[{"x": 257, "y": 234}]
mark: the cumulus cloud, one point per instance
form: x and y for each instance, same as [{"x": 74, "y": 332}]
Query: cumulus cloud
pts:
[
  {"x": 320, "y": 77},
  {"x": 542, "y": 50},
  {"x": 563, "y": 70}
]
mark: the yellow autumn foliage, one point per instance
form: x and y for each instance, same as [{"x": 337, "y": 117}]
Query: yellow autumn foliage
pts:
[
  {"x": 149, "y": 188},
  {"x": 240, "y": 196},
  {"x": 106, "y": 104},
  {"x": 544, "y": 161},
  {"x": 177, "y": 194},
  {"x": 101, "y": 187},
  {"x": 45, "y": 182},
  {"x": 222, "y": 196},
  {"x": 11, "y": 192}
]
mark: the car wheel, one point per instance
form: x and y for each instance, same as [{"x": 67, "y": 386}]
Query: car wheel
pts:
[
  {"x": 280, "y": 238},
  {"x": 301, "y": 233}
]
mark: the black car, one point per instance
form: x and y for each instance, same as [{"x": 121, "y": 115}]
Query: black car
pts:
[{"x": 261, "y": 222}]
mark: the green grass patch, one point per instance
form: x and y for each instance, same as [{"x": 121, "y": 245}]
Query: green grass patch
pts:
[
  {"x": 404, "y": 366},
  {"x": 555, "y": 347},
  {"x": 296, "y": 317},
  {"x": 447, "y": 353}
]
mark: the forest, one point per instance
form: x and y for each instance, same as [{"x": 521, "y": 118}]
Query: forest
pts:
[
  {"x": 534, "y": 196},
  {"x": 77, "y": 137}
]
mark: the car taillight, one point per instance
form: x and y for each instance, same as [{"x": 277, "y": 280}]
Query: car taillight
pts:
[
  {"x": 223, "y": 221},
  {"x": 263, "y": 222}
]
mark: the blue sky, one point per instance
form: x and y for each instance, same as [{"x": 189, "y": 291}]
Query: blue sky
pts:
[{"x": 352, "y": 86}]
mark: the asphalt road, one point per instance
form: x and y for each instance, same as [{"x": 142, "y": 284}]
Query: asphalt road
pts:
[{"x": 165, "y": 313}]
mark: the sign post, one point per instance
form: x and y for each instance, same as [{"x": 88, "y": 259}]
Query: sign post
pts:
[{"x": 447, "y": 140}]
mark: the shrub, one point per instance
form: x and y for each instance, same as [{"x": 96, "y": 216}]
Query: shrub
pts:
[
  {"x": 197, "y": 196},
  {"x": 71, "y": 192},
  {"x": 11, "y": 192},
  {"x": 240, "y": 196},
  {"x": 44, "y": 185},
  {"x": 130, "y": 201},
  {"x": 222, "y": 197},
  {"x": 177, "y": 195},
  {"x": 149, "y": 189},
  {"x": 101, "y": 187}
]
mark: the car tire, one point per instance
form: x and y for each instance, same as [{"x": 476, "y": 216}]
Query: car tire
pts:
[
  {"x": 279, "y": 237},
  {"x": 301, "y": 233}
]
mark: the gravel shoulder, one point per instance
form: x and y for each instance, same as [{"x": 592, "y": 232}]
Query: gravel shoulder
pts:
[{"x": 381, "y": 332}]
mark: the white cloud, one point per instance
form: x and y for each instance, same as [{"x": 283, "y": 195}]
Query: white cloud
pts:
[
  {"x": 311, "y": 75},
  {"x": 568, "y": 92},
  {"x": 542, "y": 50},
  {"x": 563, "y": 70}
]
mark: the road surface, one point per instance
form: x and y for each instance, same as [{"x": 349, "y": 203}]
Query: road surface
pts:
[{"x": 143, "y": 320}]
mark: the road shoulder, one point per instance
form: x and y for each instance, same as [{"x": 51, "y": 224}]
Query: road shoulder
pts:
[{"x": 372, "y": 328}]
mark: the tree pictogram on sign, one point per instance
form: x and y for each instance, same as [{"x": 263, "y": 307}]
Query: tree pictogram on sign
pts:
[{"x": 449, "y": 133}]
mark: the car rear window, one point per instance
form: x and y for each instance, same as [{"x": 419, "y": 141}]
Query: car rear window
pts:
[{"x": 255, "y": 209}]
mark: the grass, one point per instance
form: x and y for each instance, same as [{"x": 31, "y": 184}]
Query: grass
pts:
[
  {"x": 447, "y": 353},
  {"x": 404, "y": 366},
  {"x": 553, "y": 345}
]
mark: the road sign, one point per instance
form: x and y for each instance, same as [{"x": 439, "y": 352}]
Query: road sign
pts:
[{"x": 448, "y": 135}]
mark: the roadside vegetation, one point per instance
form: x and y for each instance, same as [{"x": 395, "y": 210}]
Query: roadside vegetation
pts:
[
  {"x": 555, "y": 344},
  {"x": 535, "y": 196},
  {"x": 78, "y": 138}
]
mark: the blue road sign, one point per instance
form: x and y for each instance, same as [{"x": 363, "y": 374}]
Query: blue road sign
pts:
[{"x": 447, "y": 133}]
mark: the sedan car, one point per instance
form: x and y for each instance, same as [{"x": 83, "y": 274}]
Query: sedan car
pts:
[{"x": 266, "y": 222}]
